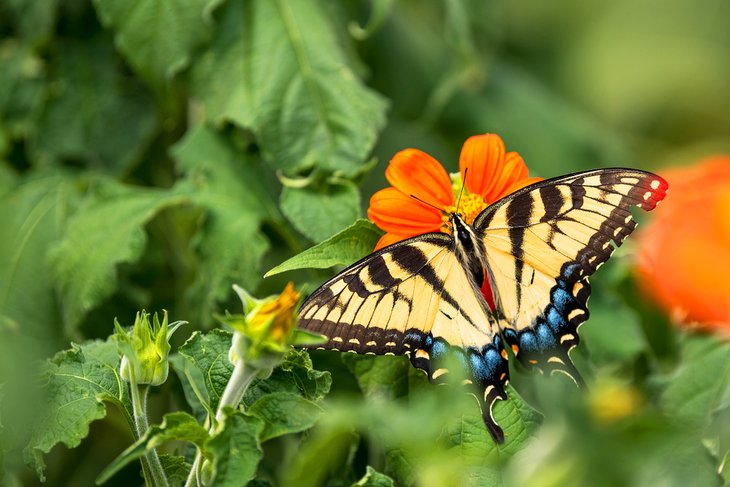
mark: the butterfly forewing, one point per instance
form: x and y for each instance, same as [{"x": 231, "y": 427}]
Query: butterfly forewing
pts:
[
  {"x": 415, "y": 298},
  {"x": 542, "y": 244},
  {"x": 413, "y": 287}
]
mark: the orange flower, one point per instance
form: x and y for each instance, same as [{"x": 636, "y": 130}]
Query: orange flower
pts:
[
  {"x": 492, "y": 174},
  {"x": 684, "y": 254}
]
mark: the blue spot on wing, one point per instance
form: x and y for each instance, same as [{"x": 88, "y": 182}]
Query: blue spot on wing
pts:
[
  {"x": 528, "y": 342},
  {"x": 438, "y": 349},
  {"x": 561, "y": 299},
  {"x": 479, "y": 366},
  {"x": 555, "y": 320},
  {"x": 545, "y": 337}
]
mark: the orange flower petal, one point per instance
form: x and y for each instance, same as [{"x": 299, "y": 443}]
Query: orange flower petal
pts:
[
  {"x": 395, "y": 212},
  {"x": 416, "y": 173},
  {"x": 513, "y": 171},
  {"x": 689, "y": 230},
  {"x": 684, "y": 283},
  {"x": 483, "y": 156},
  {"x": 389, "y": 239},
  {"x": 520, "y": 184}
]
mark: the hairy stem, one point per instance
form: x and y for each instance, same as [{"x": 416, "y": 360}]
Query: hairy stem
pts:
[
  {"x": 151, "y": 465},
  {"x": 241, "y": 378}
]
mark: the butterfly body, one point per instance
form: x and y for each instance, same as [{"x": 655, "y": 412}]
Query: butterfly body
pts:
[{"x": 537, "y": 247}]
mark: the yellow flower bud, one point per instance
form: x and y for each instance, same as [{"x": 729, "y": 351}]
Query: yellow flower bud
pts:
[
  {"x": 275, "y": 317},
  {"x": 265, "y": 330}
]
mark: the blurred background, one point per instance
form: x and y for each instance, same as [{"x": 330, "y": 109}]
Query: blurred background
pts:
[{"x": 138, "y": 110}]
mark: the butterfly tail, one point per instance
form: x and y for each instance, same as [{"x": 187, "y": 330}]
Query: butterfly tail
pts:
[
  {"x": 491, "y": 373},
  {"x": 563, "y": 364},
  {"x": 486, "y": 402}
]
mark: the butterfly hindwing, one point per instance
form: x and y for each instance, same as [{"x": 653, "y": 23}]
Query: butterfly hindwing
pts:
[
  {"x": 414, "y": 298},
  {"x": 542, "y": 244}
]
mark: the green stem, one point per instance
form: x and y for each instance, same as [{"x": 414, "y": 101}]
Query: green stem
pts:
[
  {"x": 138, "y": 411},
  {"x": 241, "y": 378},
  {"x": 193, "y": 480},
  {"x": 154, "y": 473}
]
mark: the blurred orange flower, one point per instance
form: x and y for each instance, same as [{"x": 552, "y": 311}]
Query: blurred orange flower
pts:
[
  {"x": 492, "y": 174},
  {"x": 684, "y": 253}
]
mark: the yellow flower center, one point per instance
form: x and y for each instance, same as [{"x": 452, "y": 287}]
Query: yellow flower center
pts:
[{"x": 470, "y": 206}]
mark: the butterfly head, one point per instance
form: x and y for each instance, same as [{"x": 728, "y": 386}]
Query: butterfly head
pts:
[{"x": 462, "y": 231}]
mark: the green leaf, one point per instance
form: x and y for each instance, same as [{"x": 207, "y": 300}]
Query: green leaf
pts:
[
  {"x": 3, "y": 440},
  {"x": 176, "y": 469},
  {"x": 276, "y": 68},
  {"x": 177, "y": 426},
  {"x": 678, "y": 462},
  {"x": 697, "y": 387},
  {"x": 114, "y": 116},
  {"x": 348, "y": 246},
  {"x": 208, "y": 372},
  {"x": 321, "y": 211},
  {"x": 399, "y": 467},
  {"x": 236, "y": 450},
  {"x": 379, "y": 377},
  {"x": 193, "y": 384},
  {"x": 304, "y": 337},
  {"x": 284, "y": 413},
  {"x": 33, "y": 21},
  {"x": 613, "y": 333},
  {"x": 2, "y": 397},
  {"x": 469, "y": 435},
  {"x": 33, "y": 216},
  {"x": 230, "y": 188},
  {"x": 373, "y": 478},
  {"x": 326, "y": 454},
  {"x": 107, "y": 230},
  {"x": 157, "y": 36},
  {"x": 22, "y": 86},
  {"x": 295, "y": 375},
  {"x": 78, "y": 382},
  {"x": 208, "y": 353},
  {"x": 8, "y": 178}
]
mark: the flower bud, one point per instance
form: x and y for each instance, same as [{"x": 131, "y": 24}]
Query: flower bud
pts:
[
  {"x": 263, "y": 333},
  {"x": 145, "y": 350}
]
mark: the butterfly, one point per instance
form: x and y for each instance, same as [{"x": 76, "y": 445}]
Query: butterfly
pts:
[{"x": 537, "y": 247}]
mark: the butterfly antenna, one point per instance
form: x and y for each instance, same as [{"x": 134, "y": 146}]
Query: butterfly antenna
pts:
[
  {"x": 461, "y": 191},
  {"x": 425, "y": 202}
]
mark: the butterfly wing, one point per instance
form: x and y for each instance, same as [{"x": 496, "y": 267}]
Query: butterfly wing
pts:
[
  {"x": 542, "y": 244},
  {"x": 413, "y": 298}
]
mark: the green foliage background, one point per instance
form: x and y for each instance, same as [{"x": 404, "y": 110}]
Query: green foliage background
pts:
[{"x": 153, "y": 153}]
